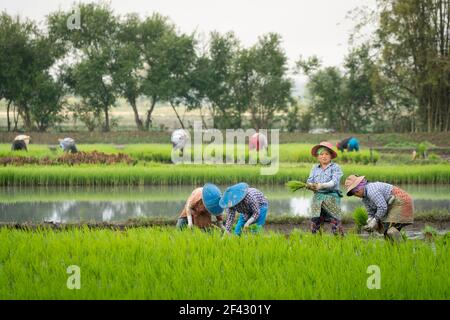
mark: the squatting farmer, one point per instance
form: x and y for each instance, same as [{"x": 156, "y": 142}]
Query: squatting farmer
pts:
[
  {"x": 200, "y": 206},
  {"x": 20, "y": 142},
  {"x": 324, "y": 180},
  {"x": 68, "y": 145},
  {"x": 250, "y": 203},
  {"x": 351, "y": 144},
  {"x": 389, "y": 207}
]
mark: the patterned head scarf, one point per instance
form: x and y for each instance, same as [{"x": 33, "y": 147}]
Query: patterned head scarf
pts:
[{"x": 360, "y": 186}]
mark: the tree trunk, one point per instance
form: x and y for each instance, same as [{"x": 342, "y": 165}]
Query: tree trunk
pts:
[
  {"x": 15, "y": 117},
  {"x": 25, "y": 114},
  {"x": 148, "y": 120},
  {"x": 8, "y": 120},
  {"x": 203, "y": 118},
  {"x": 106, "y": 127},
  {"x": 137, "y": 120},
  {"x": 176, "y": 113}
]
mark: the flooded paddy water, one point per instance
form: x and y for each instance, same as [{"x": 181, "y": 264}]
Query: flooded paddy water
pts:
[{"x": 109, "y": 204}]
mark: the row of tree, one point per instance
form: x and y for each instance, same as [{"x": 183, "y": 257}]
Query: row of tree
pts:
[
  {"x": 397, "y": 80},
  {"x": 110, "y": 57}
]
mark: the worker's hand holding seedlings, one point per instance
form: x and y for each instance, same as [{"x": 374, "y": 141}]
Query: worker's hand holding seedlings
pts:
[
  {"x": 313, "y": 186},
  {"x": 297, "y": 185},
  {"x": 372, "y": 224},
  {"x": 248, "y": 223}
]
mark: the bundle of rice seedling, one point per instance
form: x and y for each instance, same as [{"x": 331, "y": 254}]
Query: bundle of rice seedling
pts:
[
  {"x": 360, "y": 217},
  {"x": 295, "y": 185}
]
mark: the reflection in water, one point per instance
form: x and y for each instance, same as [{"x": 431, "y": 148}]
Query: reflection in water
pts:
[
  {"x": 119, "y": 204},
  {"x": 73, "y": 211}
]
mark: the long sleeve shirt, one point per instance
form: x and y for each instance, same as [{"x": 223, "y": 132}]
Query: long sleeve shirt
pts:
[
  {"x": 376, "y": 197},
  {"x": 249, "y": 207},
  {"x": 332, "y": 172}
]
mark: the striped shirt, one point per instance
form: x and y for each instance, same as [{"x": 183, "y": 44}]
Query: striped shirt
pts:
[
  {"x": 332, "y": 172},
  {"x": 249, "y": 207},
  {"x": 376, "y": 197}
]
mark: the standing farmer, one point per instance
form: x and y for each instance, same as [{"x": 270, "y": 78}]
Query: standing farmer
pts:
[
  {"x": 351, "y": 144},
  {"x": 389, "y": 207},
  {"x": 324, "y": 180},
  {"x": 202, "y": 203},
  {"x": 20, "y": 142},
  {"x": 249, "y": 202}
]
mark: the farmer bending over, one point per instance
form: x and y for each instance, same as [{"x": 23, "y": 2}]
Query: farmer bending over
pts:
[
  {"x": 20, "y": 143},
  {"x": 68, "y": 145},
  {"x": 324, "y": 180},
  {"x": 389, "y": 207},
  {"x": 249, "y": 202},
  {"x": 202, "y": 203},
  {"x": 351, "y": 144}
]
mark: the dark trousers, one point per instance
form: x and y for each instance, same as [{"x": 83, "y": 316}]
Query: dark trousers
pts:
[{"x": 325, "y": 216}]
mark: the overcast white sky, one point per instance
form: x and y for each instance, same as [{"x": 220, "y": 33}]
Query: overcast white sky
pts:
[{"x": 307, "y": 26}]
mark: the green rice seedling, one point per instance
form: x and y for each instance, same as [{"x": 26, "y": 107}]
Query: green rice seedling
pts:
[
  {"x": 295, "y": 185},
  {"x": 155, "y": 263},
  {"x": 360, "y": 217},
  {"x": 169, "y": 174},
  {"x": 429, "y": 232},
  {"x": 292, "y": 153}
]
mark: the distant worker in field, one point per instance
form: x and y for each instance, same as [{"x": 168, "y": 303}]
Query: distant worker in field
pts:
[
  {"x": 324, "y": 180},
  {"x": 179, "y": 139},
  {"x": 20, "y": 142},
  {"x": 250, "y": 203},
  {"x": 68, "y": 145},
  {"x": 389, "y": 207},
  {"x": 257, "y": 142},
  {"x": 351, "y": 144},
  {"x": 202, "y": 204}
]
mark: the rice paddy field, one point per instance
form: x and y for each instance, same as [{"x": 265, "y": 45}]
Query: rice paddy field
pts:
[
  {"x": 150, "y": 261},
  {"x": 169, "y": 174},
  {"x": 158, "y": 263},
  {"x": 162, "y": 152}
]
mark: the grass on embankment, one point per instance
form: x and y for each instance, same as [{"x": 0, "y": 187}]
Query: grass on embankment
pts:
[
  {"x": 159, "y": 263},
  {"x": 157, "y": 174}
]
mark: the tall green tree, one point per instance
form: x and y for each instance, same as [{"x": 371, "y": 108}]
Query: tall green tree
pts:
[
  {"x": 273, "y": 87},
  {"x": 26, "y": 57},
  {"x": 176, "y": 86},
  {"x": 14, "y": 50},
  {"x": 127, "y": 70},
  {"x": 153, "y": 33},
  {"x": 414, "y": 39},
  {"x": 47, "y": 102},
  {"x": 93, "y": 49},
  {"x": 213, "y": 79}
]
